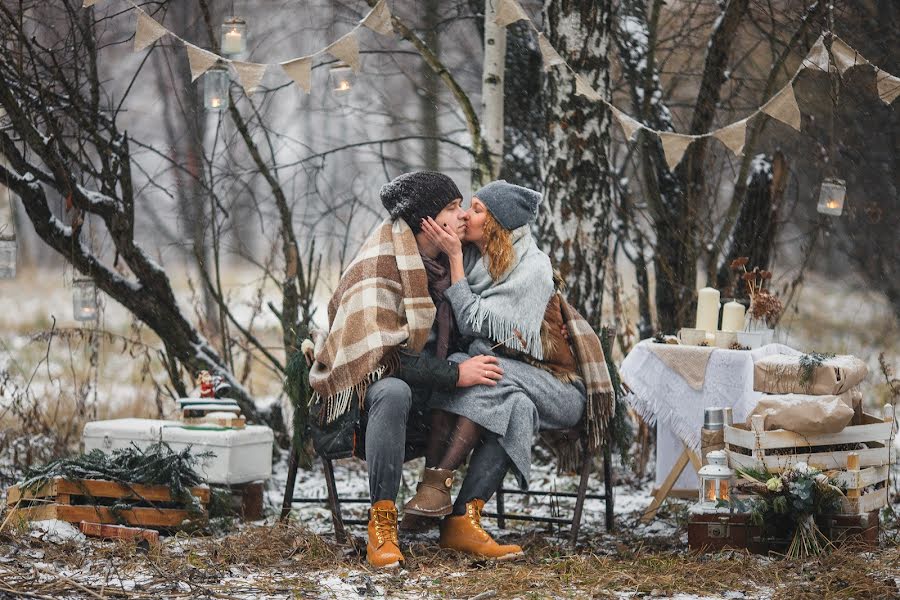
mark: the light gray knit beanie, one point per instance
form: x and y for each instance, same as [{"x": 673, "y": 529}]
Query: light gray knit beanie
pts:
[{"x": 512, "y": 205}]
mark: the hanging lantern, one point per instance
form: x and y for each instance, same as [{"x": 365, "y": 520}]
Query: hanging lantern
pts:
[
  {"x": 8, "y": 251},
  {"x": 84, "y": 300},
  {"x": 215, "y": 88},
  {"x": 234, "y": 36},
  {"x": 831, "y": 197},
  {"x": 715, "y": 482},
  {"x": 341, "y": 78}
]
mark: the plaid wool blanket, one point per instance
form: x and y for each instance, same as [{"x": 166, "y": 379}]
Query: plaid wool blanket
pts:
[{"x": 381, "y": 303}]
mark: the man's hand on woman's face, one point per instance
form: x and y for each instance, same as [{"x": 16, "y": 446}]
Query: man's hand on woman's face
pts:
[{"x": 441, "y": 237}]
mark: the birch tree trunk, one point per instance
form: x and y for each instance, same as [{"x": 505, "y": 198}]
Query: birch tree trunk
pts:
[
  {"x": 431, "y": 89},
  {"x": 575, "y": 220},
  {"x": 492, "y": 87}
]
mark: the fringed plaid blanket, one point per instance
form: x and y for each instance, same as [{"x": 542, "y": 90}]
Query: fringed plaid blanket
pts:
[{"x": 381, "y": 303}]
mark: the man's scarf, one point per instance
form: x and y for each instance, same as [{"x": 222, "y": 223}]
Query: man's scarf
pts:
[
  {"x": 381, "y": 303},
  {"x": 512, "y": 307}
]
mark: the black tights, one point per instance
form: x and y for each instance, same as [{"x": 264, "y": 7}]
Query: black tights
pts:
[{"x": 452, "y": 438}]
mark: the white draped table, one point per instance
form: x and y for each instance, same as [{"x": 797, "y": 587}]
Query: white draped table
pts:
[{"x": 675, "y": 398}]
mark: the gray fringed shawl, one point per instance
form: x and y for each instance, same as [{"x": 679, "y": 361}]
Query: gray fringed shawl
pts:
[{"x": 515, "y": 303}]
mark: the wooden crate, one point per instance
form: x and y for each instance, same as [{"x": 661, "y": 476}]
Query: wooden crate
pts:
[
  {"x": 71, "y": 500},
  {"x": 863, "y": 471}
]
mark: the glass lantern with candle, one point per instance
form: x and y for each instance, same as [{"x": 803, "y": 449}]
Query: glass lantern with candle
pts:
[
  {"x": 85, "y": 302},
  {"x": 8, "y": 251},
  {"x": 341, "y": 76},
  {"x": 715, "y": 483},
  {"x": 234, "y": 36},
  {"x": 215, "y": 88},
  {"x": 831, "y": 197}
]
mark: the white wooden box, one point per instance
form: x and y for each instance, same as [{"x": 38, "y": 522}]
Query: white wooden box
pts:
[
  {"x": 241, "y": 455},
  {"x": 862, "y": 467}
]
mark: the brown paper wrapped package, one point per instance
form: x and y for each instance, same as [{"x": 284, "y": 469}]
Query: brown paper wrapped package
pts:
[
  {"x": 780, "y": 374},
  {"x": 803, "y": 414}
]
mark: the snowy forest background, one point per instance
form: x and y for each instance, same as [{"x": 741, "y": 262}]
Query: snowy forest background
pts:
[{"x": 217, "y": 237}]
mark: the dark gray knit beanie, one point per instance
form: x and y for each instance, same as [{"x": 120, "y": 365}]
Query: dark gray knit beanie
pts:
[
  {"x": 414, "y": 196},
  {"x": 512, "y": 205}
]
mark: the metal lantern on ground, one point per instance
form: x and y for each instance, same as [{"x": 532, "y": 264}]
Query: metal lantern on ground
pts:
[
  {"x": 234, "y": 36},
  {"x": 831, "y": 197},
  {"x": 715, "y": 481},
  {"x": 341, "y": 78},
  {"x": 215, "y": 88},
  {"x": 8, "y": 251},
  {"x": 85, "y": 302}
]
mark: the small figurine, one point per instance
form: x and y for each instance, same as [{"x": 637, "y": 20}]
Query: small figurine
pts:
[{"x": 207, "y": 389}]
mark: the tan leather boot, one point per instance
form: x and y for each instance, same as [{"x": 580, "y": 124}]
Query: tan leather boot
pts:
[
  {"x": 432, "y": 497},
  {"x": 383, "y": 549},
  {"x": 464, "y": 533}
]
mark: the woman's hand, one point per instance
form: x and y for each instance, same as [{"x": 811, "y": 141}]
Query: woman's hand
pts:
[{"x": 446, "y": 240}]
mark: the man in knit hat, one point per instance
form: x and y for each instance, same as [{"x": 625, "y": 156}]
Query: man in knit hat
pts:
[{"x": 390, "y": 331}]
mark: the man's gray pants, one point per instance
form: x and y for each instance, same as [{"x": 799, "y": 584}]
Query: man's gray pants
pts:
[{"x": 389, "y": 402}]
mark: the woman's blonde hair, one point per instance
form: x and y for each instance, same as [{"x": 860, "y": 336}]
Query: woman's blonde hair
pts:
[{"x": 498, "y": 247}]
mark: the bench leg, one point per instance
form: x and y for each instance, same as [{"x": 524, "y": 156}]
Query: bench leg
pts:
[
  {"x": 293, "y": 463},
  {"x": 501, "y": 514},
  {"x": 340, "y": 533},
  {"x": 582, "y": 490},
  {"x": 608, "y": 485}
]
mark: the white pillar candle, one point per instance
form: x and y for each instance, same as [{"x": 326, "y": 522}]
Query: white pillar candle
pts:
[
  {"x": 733, "y": 316},
  {"x": 708, "y": 309},
  {"x": 232, "y": 42}
]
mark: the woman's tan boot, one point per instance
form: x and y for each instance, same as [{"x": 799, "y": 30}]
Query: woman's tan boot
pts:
[
  {"x": 464, "y": 533},
  {"x": 432, "y": 497},
  {"x": 383, "y": 549}
]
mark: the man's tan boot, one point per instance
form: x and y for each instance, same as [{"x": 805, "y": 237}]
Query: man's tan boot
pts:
[
  {"x": 383, "y": 549},
  {"x": 432, "y": 497},
  {"x": 464, "y": 533}
]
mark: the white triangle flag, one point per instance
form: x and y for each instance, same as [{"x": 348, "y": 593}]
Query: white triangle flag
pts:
[
  {"x": 783, "y": 106},
  {"x": 249, "y": 74},
  {"x": 548, "y": 53},
  {"x": 674, "y": 145},
  {"x": 379, "y": 19},
  {"x": 845, "y": 57},
  {"x": 817, "y": 57},
  {"x": 583, "y": 88},
  {"x": 200, "y": 60},
  {"x": 347, "y": 50},
  {"x": 147, "y": 31},
  {"x": 629, "y": 125},
  {"x": 733, "y": 136},
  {"x": 888, "y": 86},
  {"x": 510, "y": 11},
  {"x": 300, "y": 70}
]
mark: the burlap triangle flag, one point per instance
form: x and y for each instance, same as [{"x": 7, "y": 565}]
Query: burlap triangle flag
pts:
[
  {"x": 583, "y": 88},
  {"x": 817, "y": 57},
  {"x": 147, "y": 31},
  {"x": 509, "y": 11},
  {"x": 249, "y": 74},
  {"x": 629, "y": 125},
  {"x": 300, "y": 70},
  {"x": 200, "y": 60},
  {"x": 88, "y": 3},
  {"x": 888, "y": 86},
  {"x": 674, "y": 145},
  {"x": 733, "y": 136},
  {"x": 379, "y": 19},
  {"x": 548, "y": 53},
  {"x": 845, "y": 57},
  {"x": 783, "y": 106},
  {"x": 347, "y": 50}
]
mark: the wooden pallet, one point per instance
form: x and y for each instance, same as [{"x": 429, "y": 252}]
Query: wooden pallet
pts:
[
  {"x": 69, "y": 500},
  {"x": 863, "y": 472}
]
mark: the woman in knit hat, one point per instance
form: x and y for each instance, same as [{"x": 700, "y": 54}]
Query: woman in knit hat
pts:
[{"x": 503, "y": 295}]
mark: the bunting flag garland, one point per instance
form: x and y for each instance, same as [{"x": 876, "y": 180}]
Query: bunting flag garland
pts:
[
  {"x": 629, "y": 125},
  {"x": 88, "y": 3},
  {"x": 300, "y": 70},
  {"x": 733, "y": 136},
  {"x": 817, "y": 57},
  {"x": 845, "y": 57},
  {"x": 583, "y": 88},
  {"x": 200, "y": 60},
  {"x": 783, "y": 106},
  {"x": 888, "y": 86},
  {"x": 347, "y": 50},
  {"x": 147, "y": 31},
  {"x": 548, "y": 53},
  {"x": 510, "y": 11},
  {"x": 249, "y": 74},
  {"x": 379, "y": 20},
  {"x": 674, "y": 146}
]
